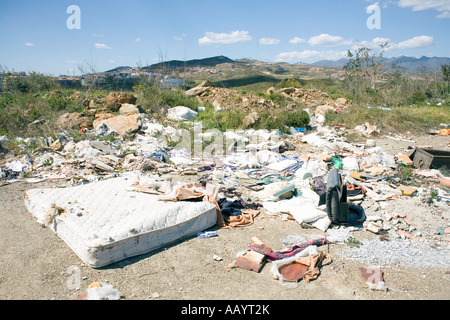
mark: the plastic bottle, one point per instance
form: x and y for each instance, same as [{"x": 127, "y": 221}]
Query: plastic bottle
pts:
[{"x": 337, "y": 163}]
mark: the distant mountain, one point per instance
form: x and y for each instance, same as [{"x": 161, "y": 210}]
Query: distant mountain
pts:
[
  {"x": 175, "y": 64},
  {"x": 403, "y": 64},
  {"x": 330, "y": 63},
  {"x": 120, "y": 69}
]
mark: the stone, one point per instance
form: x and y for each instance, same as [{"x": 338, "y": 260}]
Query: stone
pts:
[
  {"x": 250, "y": 119},
  {"x": 373, "y": 227},
  {"x": 200, "y": 89},
  {"x": 376, "y": 171},
  {"x": 217, "y": 105},
  {"x": 122, "y": 124},
  {"x": 406, "y": 189},
  {"x": 287, "y": 90},
  {"x": 323, "y": 110},
  {"x": 102, "y": 146},
  {"x": 128, "y": 108},
  {"x": 56, "y": 145},
  {"x": 341, "y": 102},
  {"x": 73, "y": 120},
  {"x": 101, "y": 165},
  {"x": 181, "y": 113},
  {"x": 120, "y": 98}
]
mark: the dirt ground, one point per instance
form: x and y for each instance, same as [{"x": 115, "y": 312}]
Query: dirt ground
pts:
[{"x": 35, "y": 264}]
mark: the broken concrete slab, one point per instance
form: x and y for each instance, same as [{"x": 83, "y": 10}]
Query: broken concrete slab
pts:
[{"x": 122, "y": 124}]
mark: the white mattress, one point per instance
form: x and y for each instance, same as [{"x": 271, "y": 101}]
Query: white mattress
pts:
[{"x": 107, "y": 222}]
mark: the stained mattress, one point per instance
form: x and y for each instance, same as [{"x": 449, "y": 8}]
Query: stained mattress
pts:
[{"x": 105, "y": 222}]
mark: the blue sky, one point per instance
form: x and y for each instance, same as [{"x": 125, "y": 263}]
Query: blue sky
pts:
[{"x": 34, "y": 35}]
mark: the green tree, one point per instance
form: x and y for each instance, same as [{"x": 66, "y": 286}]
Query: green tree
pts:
[
  {"x": 446, "y": 74},
  {"x": 366, "y": 63}
]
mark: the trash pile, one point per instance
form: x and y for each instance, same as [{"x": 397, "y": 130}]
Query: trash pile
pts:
[{"x": 314, "y": 177}]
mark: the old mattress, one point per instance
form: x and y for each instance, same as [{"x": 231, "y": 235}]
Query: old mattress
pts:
[{"x": 104, "y": 222}]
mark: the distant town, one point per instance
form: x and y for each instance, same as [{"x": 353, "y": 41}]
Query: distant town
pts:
[{"x": 123, "y": 78}]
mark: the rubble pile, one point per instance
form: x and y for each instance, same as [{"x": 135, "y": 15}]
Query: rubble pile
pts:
[
  {"x": 312, "y": 98},
  {"x": 223, "y": 98},
  {"x": 317, "y": 179}
]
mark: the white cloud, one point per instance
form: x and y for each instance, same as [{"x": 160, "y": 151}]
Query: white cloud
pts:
[
  {"x": 309, "y": 56},
  {"x": 73, "y": 61},
  {"x": 296, "y": 40},
  {"x": 445, "y": 14},
  {"x": 224, "y": 38},
  {"x": 269, "y": 41},
  {"x": 416, "y": 42},
  {"x": 179, "y": 38},
  {"x": 326, "y": 40},
  {"x": 138, "y": 40},
  {"x": 102, "y": 46},
  {"x": 442, "y": 6},
  {"x": 375, "y": 43},
  {"x": 29, "y": 44}
]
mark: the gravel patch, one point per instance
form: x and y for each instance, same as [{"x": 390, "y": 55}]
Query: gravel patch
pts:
[{"x": 398, "y": 252}]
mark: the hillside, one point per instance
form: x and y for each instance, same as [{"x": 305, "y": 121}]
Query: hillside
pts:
[
  {"x": 403, "y": 64},
  {"x": 176, "y": 64}
]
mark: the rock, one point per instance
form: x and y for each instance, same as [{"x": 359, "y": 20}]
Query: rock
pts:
[
  {"x": 287, "y": 90},
  {"x": 206, "y": 84},
  {"x": 250, "y": 119},
  {"x": 217, "y": 105},
  {"x": 406, "y": 189},
  {"x": 73, "y": 120},
  {"x": 181, "y": 113},
  {"x": 102, "y": 146},
  {"x": 372, "y": 227},
  {"x": 323, "y": 110},
  {"x": 122, "y": 124},
  {"x": 200, "y": 89},
  {"x": 120, "y": 98},
  {"x": 128, "y": 108},
  {"x": 271, "y": 90},
  {"x": 101, "y": 165},
  {"x": 341, "y": 102},
  {"x": 56, "y": 145}
]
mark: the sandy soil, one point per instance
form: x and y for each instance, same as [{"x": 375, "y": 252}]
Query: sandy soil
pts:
[{"x": 35, "y": 264}]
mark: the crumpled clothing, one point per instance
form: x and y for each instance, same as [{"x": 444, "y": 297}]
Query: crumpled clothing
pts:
[
  {"x": 246, "y": 218},
  {"x": 319, "y": 186},
  {"x": 314, "y": 262},
  {"x": 231, "y": 208},
  {"x": 273, "y": 256}
]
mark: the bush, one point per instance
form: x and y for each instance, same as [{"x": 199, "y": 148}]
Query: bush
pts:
[
  {"x": 32, "y": 83},
  {"x": 155, "y": 100},
  {"x": 417, "y": 97}
]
